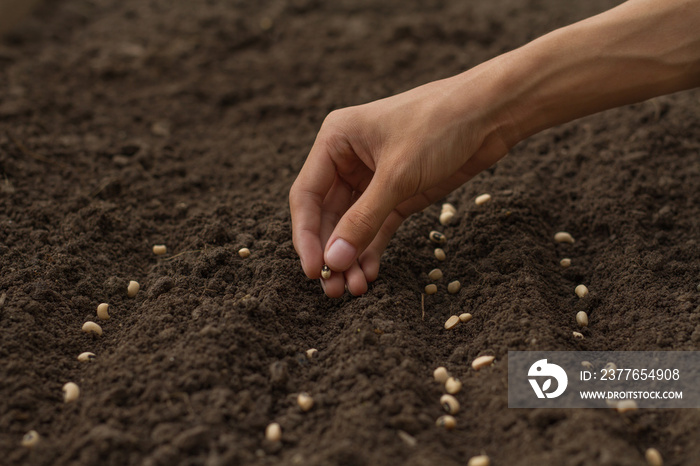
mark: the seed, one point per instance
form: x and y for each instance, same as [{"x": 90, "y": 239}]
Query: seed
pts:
[
  {"x": 611, "y": 366},
  {"x": 446, "y": 421},
  {"x": 311, "y": 353},
  {"x": 133, "y": 288},
  {"x": 587, "y": 364},
  {"x": 446, "y": 218},
  {"x": 447, "y": 207},
  {"x": 449, "y": 404},
  {"x": 30, "y": 439},
  {"x": 87, "y": 356},
  {"x": 437, "y": 237},
  {"x": 482, "y": 361},
  {"x": 70, "y": 392},
  {"x": 451, "y": 322},
  {"x": 481, "y": 460},
  {"x": 581, "y": 291},
  {"x": 582, "y": 319},
  {"x": 244, "y": 252},
  {"x": 483, "y": 199},
  {"x": 453, "y": 287},
  {"x": 325, "y": 272},
  {"x": 566, "y": 262},
  {"x": 159, "y": 249},
  {"x": 465, "y": 317},
  {"x": 440, "y": 254},
  {"x": 578, "y": 335},
  {"x": 626, "y": 405},
  {"x": 273, "y": 432},
  {"x": 305, "y": 401},
  {"x": 563, "y": 237},
  {"x": 435, "y": 275},
  {"x": 453, "y": 386},
  {"x": 440, "y": 374},
  {"x": 653, "y": 457},
  {"x": 92, "y": 327},
  {"x": 103, "y": 311},
  {"x": 431, "y": 289}
]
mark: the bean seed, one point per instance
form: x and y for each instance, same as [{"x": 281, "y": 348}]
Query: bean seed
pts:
[
  {"x": 273, "y": 432},
  {"x": 446, "y": 421},
  {"x": 587, "y": 365},
  {"x": 451, "y": 322},
  {"x": 481, "y": 460},
  {"x": 159, "y": 249},
  {"x": 447, "y": 207},
  {"x": 446, "y": 218},
  {"x": 578, "y": 335},
  {"x": 582, "y": 319},
  {"x": 483, "y": 199},
  {"x": 305, "y": 401},
  {"x": 566, "y": 262},
  {"x": 325, "y": 272},
  {"x": 311, "y": 353},
  {"x": 482, "y": 361},
  {"x": 449, "y": 403},
  {"x": 437, "y": 237},
  {"x": 563, "y": 237},
  {"x": 87, "y": 356},
  {"x": 465, "y": 317},
  {"x": 92, "y": 327},
  {"x": 626, "y": 405},
  {"x": 30, "y": 439},
  {"x": 431, "y": 289},
  {"x": 133, "y": 288},
  {"x": 453, "y": 287},
  {"x": 611, "y": 366},
  {"x": 244, "y": 252},
  {"x": 440, "y": 254},
  {"x": 441, "y": 375},
  {"x": 453, "y": 386},
  {"x": 581, "y": 291},
  {"x": 435, "y": 275},
  {"x": 103, "y": 311},
  {"x": 71, "y": 392},
  {"x": 653, "y": 457}
]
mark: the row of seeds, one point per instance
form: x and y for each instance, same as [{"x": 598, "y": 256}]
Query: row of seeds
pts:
[
  {"x": 71, "y": 390},
  {"x": 452, "y": 385},
  {"x": 652, "y": 455}
]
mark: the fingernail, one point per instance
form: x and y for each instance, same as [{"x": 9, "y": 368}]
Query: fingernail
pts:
[
  {"x": 323, "y": 284},
  {"x": 340, "y": 255}
]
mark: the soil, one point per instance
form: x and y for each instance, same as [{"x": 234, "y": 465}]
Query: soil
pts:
[{"x": 129, "y": 123}]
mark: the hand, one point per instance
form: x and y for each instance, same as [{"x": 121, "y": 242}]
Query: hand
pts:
[{"x": 373, "y": 165}]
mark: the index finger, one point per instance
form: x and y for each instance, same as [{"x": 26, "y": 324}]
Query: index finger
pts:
[{"x": 305, "y": 200}]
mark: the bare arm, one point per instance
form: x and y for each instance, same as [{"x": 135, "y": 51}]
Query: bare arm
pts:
[{"x": 373, "y": 165}]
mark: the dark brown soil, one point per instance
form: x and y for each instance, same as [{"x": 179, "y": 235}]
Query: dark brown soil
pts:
[{"x": 129, "y": 123}]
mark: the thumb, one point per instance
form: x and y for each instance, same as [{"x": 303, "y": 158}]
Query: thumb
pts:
[{"x": 360, "y": 224}]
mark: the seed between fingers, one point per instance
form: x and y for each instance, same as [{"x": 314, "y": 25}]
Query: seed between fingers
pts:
[{"x": 325, "y": 272}]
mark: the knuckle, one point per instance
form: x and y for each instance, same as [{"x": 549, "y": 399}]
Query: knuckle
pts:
[{"x": 362, "y": 222}]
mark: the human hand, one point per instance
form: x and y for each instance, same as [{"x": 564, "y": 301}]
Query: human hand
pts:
[{"x": 373, "y": 165}]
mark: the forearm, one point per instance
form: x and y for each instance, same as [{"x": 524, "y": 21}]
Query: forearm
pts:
[{"x": 639, "y": 50}]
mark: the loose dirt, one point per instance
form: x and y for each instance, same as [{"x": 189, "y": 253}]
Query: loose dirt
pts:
[{"x": 125, "y": 124}]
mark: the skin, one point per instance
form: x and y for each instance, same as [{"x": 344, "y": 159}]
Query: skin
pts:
[{"x": 373, "y": 165}]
